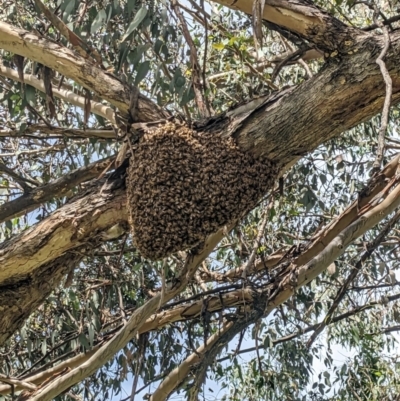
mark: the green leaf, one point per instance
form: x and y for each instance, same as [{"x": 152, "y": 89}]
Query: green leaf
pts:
[
  {"x": 218, "y": 46},
  {"x": 131, "y": 6},
  {"x": 98, "y": 21},
  {"x": 68, "y": 9},
  {"x": 83, "y": 340},
  {"x": 136, "y": 21},
  {"x": 30, "y": 94},
  {"x": 142, "y": 71}
]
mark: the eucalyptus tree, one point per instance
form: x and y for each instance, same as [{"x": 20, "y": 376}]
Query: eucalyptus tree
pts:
[{"x": 195, "y": 191}]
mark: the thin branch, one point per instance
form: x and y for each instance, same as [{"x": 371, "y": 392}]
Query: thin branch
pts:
[
  {"x": 21, "y": 180},
  {"x": 78, "y": 44},
  {"x": 256, "y": 244},
  {"x": 182, "y": 372},
  {"x": 63, "y": 94},
  {"x": 386, "y": 22},
  {"x": 35, "y": 197},
  {"x": 370, "y": 248},
  {"x": 139, "y": 363},
  {"x": 53, "y": 148},
  {"x": 57, "y": 132},
  {"x": 388, "y": 97},
  {"x": 198, "y": 86},
  {"x": 309, "y": 329},
  {"x": 15, "y": 382},
  {"x": 195, "y": 365}
]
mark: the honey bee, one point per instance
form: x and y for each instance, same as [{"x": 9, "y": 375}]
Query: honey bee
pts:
[{"x": 182, "y": 186}]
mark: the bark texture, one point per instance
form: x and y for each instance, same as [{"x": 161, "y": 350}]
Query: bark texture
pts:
[
  {"x": 34, "y": 262},
  {"x": 282, "y": 127}
]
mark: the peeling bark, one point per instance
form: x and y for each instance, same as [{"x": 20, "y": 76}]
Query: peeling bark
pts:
[
  {"x": 306, "y": 20},
  {"x": 282, "y": 127},
  {"x": 21, "y": 297},
  {"x": 34, "y": 262}
]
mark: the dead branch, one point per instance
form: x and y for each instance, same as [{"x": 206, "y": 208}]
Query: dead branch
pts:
[{"x": 388, "y": 97}]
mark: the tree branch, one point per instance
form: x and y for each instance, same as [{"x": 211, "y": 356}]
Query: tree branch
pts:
[
  {"x": 35, "y": 197},
  {"x": 55, "y": 132},
  {"x": 130, "y": 329},
  {"x": 68, "y": 96},
  {"x": 76, "y": 67},
  {"x": 370, "y": 248},
  {"x": 388, "y": 97},
  {"x": 336, "y": 319},
  {"x": 306, "y": 20},
  {"x": 66, "y": 229},
  {"x": 198, "y": 86}
]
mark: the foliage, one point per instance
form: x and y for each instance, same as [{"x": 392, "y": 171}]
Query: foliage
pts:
[{"x": 141, "y": 42}]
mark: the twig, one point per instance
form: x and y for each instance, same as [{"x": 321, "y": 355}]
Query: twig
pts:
[
  {"x": 343, "y": 290},
  {"x": 386, "y": 22},
  {"x": 308, "y": 329},
  {"x": 205, "y": 53},
  {"x": 291, "y": 57},
  {"x": 141, "y": 351},
  {"x": 388, "y": 97},
  {"x": 253, "y": 254},
  {"x": 78, "y": 44},
  {"x": 21, "y": 180},
  {"x": 198, "y": 86},
  {"x": 56, "y": 188}
]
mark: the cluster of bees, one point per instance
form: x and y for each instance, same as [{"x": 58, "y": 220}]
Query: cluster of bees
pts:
[{"x": 184, "y": 185}]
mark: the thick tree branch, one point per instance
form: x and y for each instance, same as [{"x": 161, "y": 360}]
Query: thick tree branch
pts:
[
  {"x": 370, "y": 248},
  {"x": 181, "y": 373},
  {"x": 40, "y": 377},
  {"x": 306, "y": 20},
  {"x": 282, "y": 127},
  {"x": 76, "y": 67},
  {"x": 196, "y": 364},
  {"x": 67, "y": 228},
  {"x": 302, "y": 274},
  {"x": 300, "y": 119},
  {"x": 333, "y": 101}
]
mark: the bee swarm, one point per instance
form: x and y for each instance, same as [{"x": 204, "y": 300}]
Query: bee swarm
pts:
[{"x": 183, "y": 186}]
